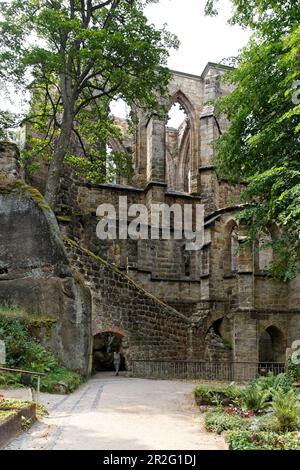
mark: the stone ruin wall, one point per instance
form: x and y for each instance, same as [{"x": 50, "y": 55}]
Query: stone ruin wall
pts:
[{"x": 246, "y": 300}]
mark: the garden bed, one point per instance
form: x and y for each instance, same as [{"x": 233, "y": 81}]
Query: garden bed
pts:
[
  {"x": 262, "y": 415},
  {"x": 15, "y": 417}
]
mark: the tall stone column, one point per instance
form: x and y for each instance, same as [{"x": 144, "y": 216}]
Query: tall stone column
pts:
[
  {"x": 156, "y": 150},
  {"x": 209, "y": 133},
  {"x": 156, "y": 161}
]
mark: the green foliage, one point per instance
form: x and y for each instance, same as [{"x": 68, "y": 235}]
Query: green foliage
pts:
[
  {"x": 254, "y": 398},
  {"x": 266, "y": 422},
  {"x": 261, "y": 146},
  {"x": 227, "y": 344},
  {"x": 273, "y": 383},
  {"x": 23, "y": 352},
  {"x": 84, "y": 55},
  {"x": 59, "y": 378},
  {"x": 249, "y": 440},
  {"x": 218, "y": 421},
  {"x": 4, "y": 415},
  {"x": 286, "y": 411},
  {"x": 293, "y": 370},
  {"x": 7, "y": 122},
  {"x": 205, "y": 394}
]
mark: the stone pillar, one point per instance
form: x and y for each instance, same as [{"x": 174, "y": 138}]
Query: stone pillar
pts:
[
  {"x": 245, "y": 272},
  {"x": 140, "y": 152},
  {"x": 210, "y": 128},
  {"x": 9, "y": 162},
  {"x": 156, "y": 150},
  {"x": 207, "y": 177},
  {"x": 245, "y": 346}
]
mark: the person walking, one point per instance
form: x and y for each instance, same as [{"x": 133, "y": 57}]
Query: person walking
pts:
[{"x": 117, "y": 361}]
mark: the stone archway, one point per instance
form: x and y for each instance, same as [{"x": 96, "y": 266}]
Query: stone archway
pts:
[
  {"x": 105, "y": 343},
  {"x": 272, "y": 345}
]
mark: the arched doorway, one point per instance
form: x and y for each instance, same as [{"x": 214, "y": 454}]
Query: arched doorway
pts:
[
  {"x": 272, "y": 345},
  {"x": 104, "y": 346}
]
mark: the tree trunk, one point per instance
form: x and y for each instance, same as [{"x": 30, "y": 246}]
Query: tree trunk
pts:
[
  {"x": 53, "y": 181},
  {"x": 61, "y": 145}
]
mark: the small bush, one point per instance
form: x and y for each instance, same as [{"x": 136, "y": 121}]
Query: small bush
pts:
[
  {"x": 59, "y": 375},
  {"x": 249, "y": 440},
  {"x": 212, "y": 395},
  {"x": 254, "y": 398},
  {"x": 273, "y": 383},
  {"x": 293, "y": 370},
  {"x": 218, "y": 421},
  {"x": 23, "y": 352},
  {"x": 286, "y": 411}
]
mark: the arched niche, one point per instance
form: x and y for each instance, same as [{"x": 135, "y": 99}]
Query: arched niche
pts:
[
  {"x": 272, "y": 345},
  {"x": 231, "y": 247}
]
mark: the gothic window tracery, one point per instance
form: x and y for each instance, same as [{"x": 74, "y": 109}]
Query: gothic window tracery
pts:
[{"x": 178, "y": 148}]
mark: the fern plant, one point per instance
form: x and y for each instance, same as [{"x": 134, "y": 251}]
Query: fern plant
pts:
[
  {"x": 255, "y": 398},
  {"x": 286, "y": 411}
]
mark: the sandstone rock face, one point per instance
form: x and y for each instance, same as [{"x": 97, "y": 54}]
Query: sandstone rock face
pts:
[{"x": 34, "y": 270}]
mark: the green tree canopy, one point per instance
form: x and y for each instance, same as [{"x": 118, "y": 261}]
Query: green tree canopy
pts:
[
  {"x": 75, "y": 56},
  {"x": 262, "y": 144}
]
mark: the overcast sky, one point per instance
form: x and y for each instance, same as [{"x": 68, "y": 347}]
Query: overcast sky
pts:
[{"x": 202, "y": 39}]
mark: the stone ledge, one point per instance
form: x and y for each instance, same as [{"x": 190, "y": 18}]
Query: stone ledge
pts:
[{"x": 12, "y": 426}]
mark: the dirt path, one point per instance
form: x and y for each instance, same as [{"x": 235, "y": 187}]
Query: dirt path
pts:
[{"x": 111, "y": 413}]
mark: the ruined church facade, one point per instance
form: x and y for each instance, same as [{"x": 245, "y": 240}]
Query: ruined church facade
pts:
[
  {"x": 216, "y": 304},
  {"x": 236, "y": 312}
]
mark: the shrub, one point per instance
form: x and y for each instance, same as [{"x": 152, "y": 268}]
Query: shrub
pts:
[
  {"x": 285, "y": 407},
  {"x": 203, "y": 394},
  {"x": 23, "y": 352},
  {"x": 255, "y": 398},
  {"x": 275, "y": 382},
  {"x": 60, "y": 375},
  {"x": 211, "y": 395},
  {"x": 249, "y": 440},
  {"x": 218, "y": 421},
  {"x": 293, "y": 370}
]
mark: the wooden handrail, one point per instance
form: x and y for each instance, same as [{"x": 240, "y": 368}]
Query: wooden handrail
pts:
[{"x": 39, "y": 374}]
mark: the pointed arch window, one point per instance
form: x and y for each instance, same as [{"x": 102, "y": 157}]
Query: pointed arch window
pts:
[{"x": 178, "y": 147}]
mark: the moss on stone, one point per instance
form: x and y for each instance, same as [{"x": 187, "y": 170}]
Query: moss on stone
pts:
[
  {"x": 78, "y": 279},
  {"x": 4, "y": 415},
  {"x": 64, "y": 218},
  {"x": 29, "y": 318},
  {"x": 19, "y": 187}
]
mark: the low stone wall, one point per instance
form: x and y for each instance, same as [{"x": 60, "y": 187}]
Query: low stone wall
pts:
[{"x": 12, "y": 426}]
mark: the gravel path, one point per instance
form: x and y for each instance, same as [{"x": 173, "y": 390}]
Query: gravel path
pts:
[{"x": 111, "y": 413}]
